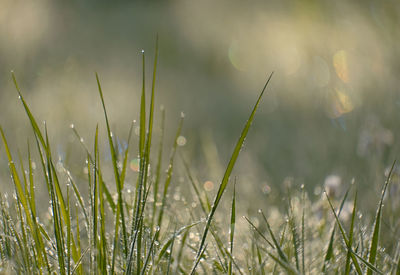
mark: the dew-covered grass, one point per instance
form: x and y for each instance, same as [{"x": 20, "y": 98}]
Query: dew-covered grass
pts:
[{"x": 98, "y": 224}]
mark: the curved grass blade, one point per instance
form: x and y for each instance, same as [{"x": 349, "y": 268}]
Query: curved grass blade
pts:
[
  {"x": 278, "y": 247},
  {"x": 52, "y": 174},
  {"x": 227, "y": 174},
  {"x": 329, "y": 251},
  {"x": 377, "y": 224},
  {"x": 353, "y": 257}
]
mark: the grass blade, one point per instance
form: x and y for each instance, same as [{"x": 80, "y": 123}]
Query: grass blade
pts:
[
  {"x": 278, "y": 247},
  {"x": 329, "y": 251},
  {"x": 295, "y": 236},
  {"x": 232, "y": 227},
  {"x": 351, "y": 235},
  {"x": 169, "y": 173},
  {"x": 158, "y": 168},
  {"x": 91, "y": 159},
  {"x": 353, "y": 257},
  {"x": 377, "y": 224},
  {"x": 228, "y": 172},
  {"x": 120, "y": 209}
]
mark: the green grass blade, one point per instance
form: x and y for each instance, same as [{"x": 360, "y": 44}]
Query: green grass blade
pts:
[
  {"x": 199, "y": 258},
  {"x": 169, "y": 173},
  {"x": 204, "y": 206},
  {"x": 260, "y": 261},
  {"x": 17, "y": 182},
  {"x": 377, "y": 224},
  {"x": 158, "y": 168},
  {"x": 278, "y": 247},
  {"x": 232, "y": 227},
  {"x": 329, "y": 251},
  {"x": 79, "y": 263},
  {"x": 45, "y": 144},
  {"x": 28, "y": 112},
  {"x": 170, "y": 252},
  {"x": 303, "y": 193},
  {"x": 101, "y": 191},
  {"x": 295, "y": 235},
  {"x": 228, "y": 172},
  {"x": 142, "y": 117},
  {"x": 168, "y": 242},
  {"x": 353, "y": 257},
  {"x": 351, "y": 235},
  {"x": 126, "y": 153},
  {"x": 56, "y": 209},
  {"x": 78, "y": 245},
  {"x": 104, "y": 186},
  {"x": 149, "y": 253},
  {"x": 286, "y": 266},
  {"x": 94, "y": 199},
  {"x": 116, "y": 172},
  {"x": 259, "y": 232}
]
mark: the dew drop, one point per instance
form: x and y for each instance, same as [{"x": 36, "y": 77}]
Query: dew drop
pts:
[{"x": 181, "y": 141}]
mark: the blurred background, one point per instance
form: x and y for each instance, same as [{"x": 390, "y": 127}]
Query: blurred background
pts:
[{"x": 330, "y": 113}]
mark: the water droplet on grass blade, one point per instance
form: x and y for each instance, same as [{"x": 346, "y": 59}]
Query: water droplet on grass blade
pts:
[{"x": 181, "y": 141}]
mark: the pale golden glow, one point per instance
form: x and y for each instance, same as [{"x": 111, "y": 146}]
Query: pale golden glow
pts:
[
  {"x": 340, "y": 104},
  {"x": 341, "y": 65}
]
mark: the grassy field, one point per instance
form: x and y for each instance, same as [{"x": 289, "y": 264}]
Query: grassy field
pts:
[{"x": 108, "y": 221}]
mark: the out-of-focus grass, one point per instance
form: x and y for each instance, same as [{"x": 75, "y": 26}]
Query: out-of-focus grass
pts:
[
  {"x": 333, "y": 103},
  {"x": 107, "y": 220}
]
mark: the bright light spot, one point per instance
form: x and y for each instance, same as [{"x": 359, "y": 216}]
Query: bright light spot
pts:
[
  {"x": 341, "y": 104},
  {"x": 208, "y": 185},
  {"x": 134, "y": 165},
  {"x": 181, "y": 141},
  {"x": 341, "y": 65}
]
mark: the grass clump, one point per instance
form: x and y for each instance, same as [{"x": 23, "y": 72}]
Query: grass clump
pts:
[{"x": 107, "y": 231}]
